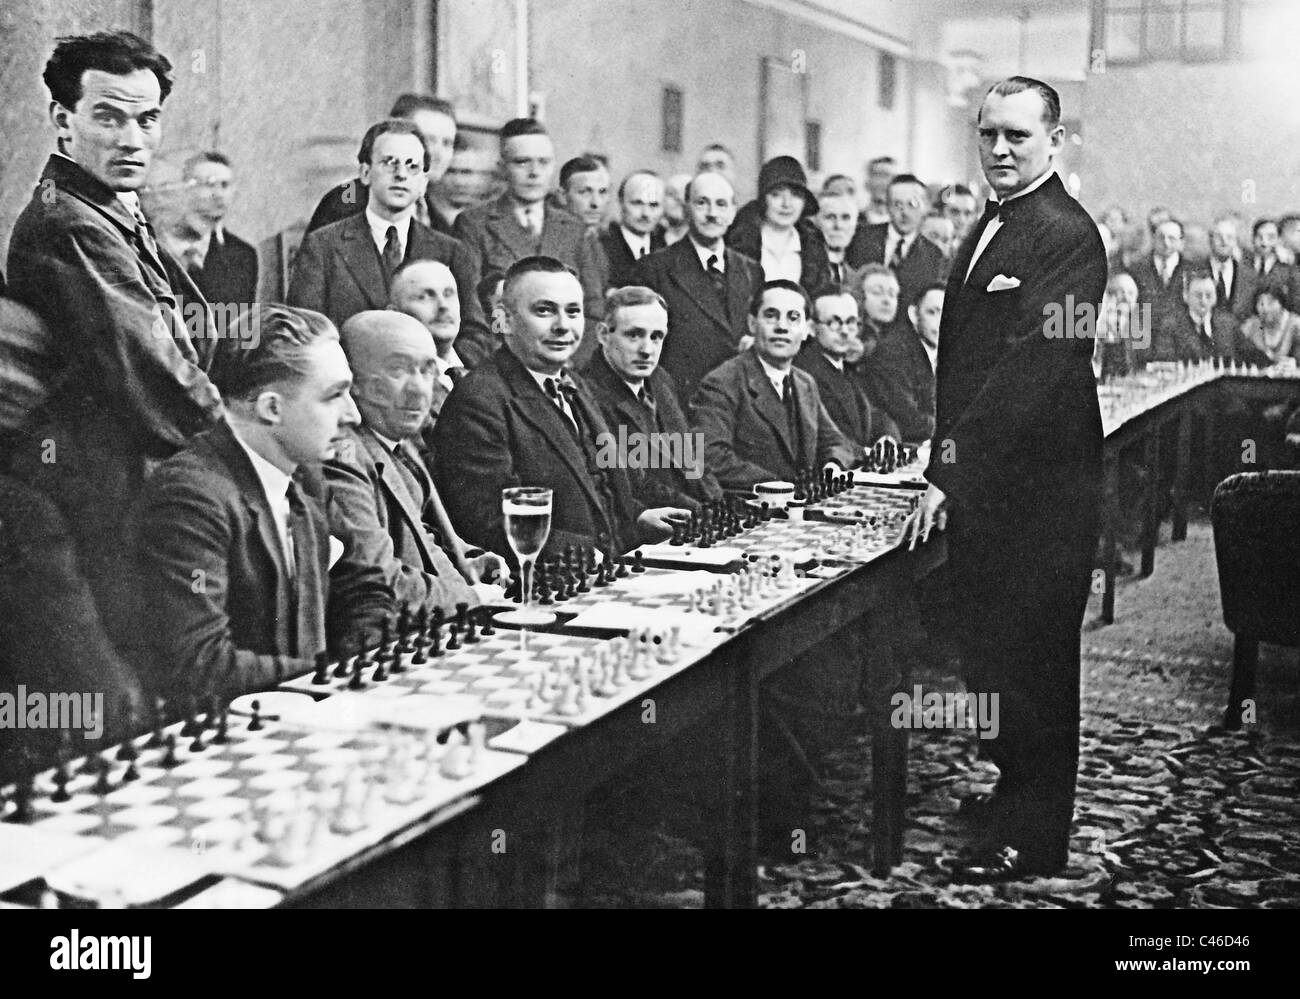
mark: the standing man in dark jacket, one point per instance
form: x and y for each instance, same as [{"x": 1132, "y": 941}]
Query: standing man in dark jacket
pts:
[
  {"x": 131, "y": 331},
  {"x": 1015, "y": 470}
]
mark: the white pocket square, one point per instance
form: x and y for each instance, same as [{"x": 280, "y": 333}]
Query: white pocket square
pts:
[
  {"x": 336, "y": 550},
  {"x": 1003, "y": 283}
]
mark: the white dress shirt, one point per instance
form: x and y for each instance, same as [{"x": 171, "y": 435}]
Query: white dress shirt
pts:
[
  {"x": 705, "y": 253},
  {"x": 563, "y": 401},
  {"x": 637, "y": 242},
  {"x": 776, "y": 376},
  {"x": 379, "y": 229},
  {"x": 784, "y": 261},
  {"x": 275, "y": 484},
  {"x": 995, "y": 223},
  {"x": 892, "y": 238}
]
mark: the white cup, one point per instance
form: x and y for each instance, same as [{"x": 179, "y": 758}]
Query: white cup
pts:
[{"x": 775, "y": 494}]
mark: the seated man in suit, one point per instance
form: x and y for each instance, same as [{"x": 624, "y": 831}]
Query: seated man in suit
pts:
[
  {"x": 520, "y": 419},
  {"x": 876, "y": 289},
  {"x": 221, "y": 264},
  {"x": 235, "y": 546},
  {"x": 834, "y": 323},
  {"x": 706, "y": 284},
  {"x": 426, "y": 290},
  {"x": 348, "y": 266},
  {"x": 1197, "y": 331},
  {"x": 520, "y": 223},
  {"x": 763, "y": 418},
  {"x": 436, "y": 121},
  {"x": 899, "y": 376},
  {"x": 665, "y": 461},
  {"x": 386, "y": 501},
  {"x": 898, "y": 244}
]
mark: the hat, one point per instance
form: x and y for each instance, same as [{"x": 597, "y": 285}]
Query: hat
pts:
[{"x": 786, "y": 171}]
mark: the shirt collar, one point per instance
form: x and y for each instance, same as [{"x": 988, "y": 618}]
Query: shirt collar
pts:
[
  {"x": 835, "y": 362},
  {"x": 452, "y": 360},
  {"x": 379, "y": 227},
  {"x": 274, "y": 482},
  {"x": 389, "y": 445},
  {"x": 635, "y": 240},
  {"x": 775, "y": 375},
  {"x": 1042, "y": 179},
  {"x": 704, "y": 253}
]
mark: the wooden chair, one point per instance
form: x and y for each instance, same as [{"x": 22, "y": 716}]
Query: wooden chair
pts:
[{"x": 1256, "y": 517}]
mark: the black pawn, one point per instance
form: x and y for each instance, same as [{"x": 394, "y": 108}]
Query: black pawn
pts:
[
  {"x": 435, "y": 634},
  {"x": 356, "y": 683},
  {"x": 169, "y": 757},
  {"x": 255, "y": 723},
  {"x": 395, "y": 663},
  {"x": 453, "y": 640},
  {"x": 471, "y": 631},
  {"x": 385, "y": 634},
  {"x": 23, "y": 800},
  {"x": 131, "y": 773},
  {"x": 198, "y": 745},
  {"x": 621, "y": 571},
  {"x": 487, "y": 631},
  {"x": 404, "y": 630},
  {"x": 321, "y": 676},
  {"x": 102, "y": 784},
  {"x": 380, "y": 674},
  {"x": 61, "y": 778},
  {"x": 127, "y": 746},
  {"x": 462, "y": 612}
]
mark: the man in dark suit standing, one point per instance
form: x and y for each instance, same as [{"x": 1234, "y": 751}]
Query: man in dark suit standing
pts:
[
  {"x": 521, "y": 223},
  {"x": 1234, "y": 282},
  {"x": 235, "y": 545},
  {"x": 707, "y": 286},
  {"x": 520, "y": 419},
  {"x": 221, "y": 264},
  {"x": 1160, "y": 276},
  {"x": 348, "y": 266},
  {"x": 436, "y": 121},
  {"x": 762, "y": 418},
  {"x": 636, "y": 234},
  {"x": 899, "y": 376},
  {"x": 665, "y": 462},
  {"x": 131, "y": 331},
  {"x": 1016, "y": 458},
  {"x": 898, "y": 243},
  {"x": 834, "y": 325}
]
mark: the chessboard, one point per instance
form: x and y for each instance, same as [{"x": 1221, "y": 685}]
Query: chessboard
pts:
[
  {"x": 882, "y": 507},
  {"x": 521, "y": 675},
  {"x": 826, "y": 543},
  {"x": 248, "y": 795}
]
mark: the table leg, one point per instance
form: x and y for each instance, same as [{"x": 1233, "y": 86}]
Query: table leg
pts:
[
  {"x": 1151, "y": 514},
  {"x": 1183, "y": 473},
  {"x": 731, "y": 856}
]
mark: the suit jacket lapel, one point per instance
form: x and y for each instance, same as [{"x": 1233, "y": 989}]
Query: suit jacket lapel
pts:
[
  {"x": 545, "y": 417},
  {"x": 393, "y": 483},
  {"x": 688, "y": 272},
  {"x": 808, "y": 405},
  {"x": 503, "y": 227},
  {"x": 362, "y": 259},
  {"x": 768, "y": 405}
]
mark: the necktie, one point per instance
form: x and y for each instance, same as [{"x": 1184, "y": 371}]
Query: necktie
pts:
[
  {"x": 413, "y": 475},
  {"x": 1222, "y": 288},
  {"x": 648, "y": 401},
  {"x": 643, "y": 251},
  {"x": 792, "y": 416},
  {"x": 307, "y": 588},
  {"x": 716, "y": 277},
  {"x": 837, "y": 273},
  {"x": 897, "y": 258},
  {"x": 392, "y": 251},
  {"x": 561, "y": 401},
  {"x": 144, "y": 233}
]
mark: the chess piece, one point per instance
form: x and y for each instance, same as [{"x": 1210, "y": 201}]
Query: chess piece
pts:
[
  {"x": 395, "y": 663},
  {"x": 471, "y": 630},
  {"x": 222, "y": 737},
  {"x": 61, "y": 778},
  {"x": 102, "y": 784},
  {"x": 255, "y": 723},
  {"x": 321, "y": 676},
  {"x": 638, "y": 560},
  {"x": 379, "y": 675},
  {"x": 356, "y": 682},
  {"x": 159, "y": 720},
  {"x": 404, "y": 630},
  {"x": 487, "y": 630},
  {"x": 435, "y": 634},
  {"x": 453, "y": 640}
]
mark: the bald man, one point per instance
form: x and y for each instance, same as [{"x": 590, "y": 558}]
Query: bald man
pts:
[
  {"x": 426, "y": 290},
  {"x": 385, "y": 496}
]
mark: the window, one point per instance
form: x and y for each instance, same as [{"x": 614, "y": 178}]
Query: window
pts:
[
  {"x": 812, "y": 132},
  {"x": 887, "y": 81},
  {"x": 1184, "y": 30},
  {"x": 673, "y": 103}
]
